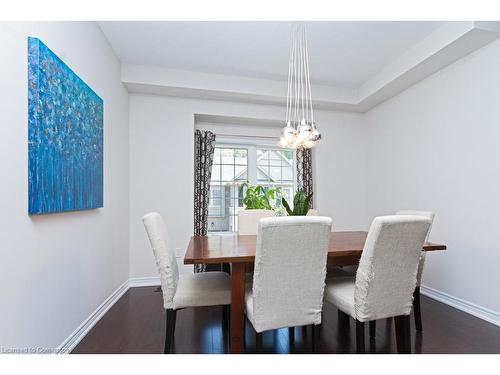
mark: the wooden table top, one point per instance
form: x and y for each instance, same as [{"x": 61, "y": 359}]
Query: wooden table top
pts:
[{"x": 233, "y": 248}]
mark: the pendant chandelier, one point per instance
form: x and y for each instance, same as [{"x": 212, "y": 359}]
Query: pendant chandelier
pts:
[{"x": 300, "y": 130}]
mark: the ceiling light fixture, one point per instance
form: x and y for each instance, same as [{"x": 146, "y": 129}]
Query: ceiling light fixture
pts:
[{"x": 300, "y": 130}]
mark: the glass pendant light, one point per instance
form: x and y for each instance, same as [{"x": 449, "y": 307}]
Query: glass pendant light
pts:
[{"x": 300, "y": 130}]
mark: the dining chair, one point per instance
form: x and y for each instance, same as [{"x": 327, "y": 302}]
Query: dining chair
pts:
[
  {"x": 248, "y": 220},
  {"x": 351, "y": 271},
  {"x": 190, "y": 290},
  {"x": 289, "y": 274},
  {"x": 417, "y": 314},
  {"x": 416, "y": 294},
  {"x": 248, "y": 223},
  {"x": 385, "y": 279}
]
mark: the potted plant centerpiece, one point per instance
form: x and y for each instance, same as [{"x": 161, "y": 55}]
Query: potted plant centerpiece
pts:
[
  {"x": 259, "y": 198},
  {"x": 301, "y": 204},
  {"x": 259, "y": 203}
]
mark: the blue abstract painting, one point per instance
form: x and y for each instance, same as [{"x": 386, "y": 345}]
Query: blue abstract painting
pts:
[{"x": 65, "y": 126}]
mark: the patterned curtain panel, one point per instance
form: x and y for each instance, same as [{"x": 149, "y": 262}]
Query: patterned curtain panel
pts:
[
  {"x": 304, "y": 171},
  {"x": 204, "y": 146}
]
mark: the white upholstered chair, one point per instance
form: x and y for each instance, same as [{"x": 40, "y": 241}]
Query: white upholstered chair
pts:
[
  {"x": 248, "y": 220},
  {"x": 199, "y": 289},
  {"x": 289, "y": 273},
  {"x": 416, "y": 294},
  {"x": 385, "y": 279},
  {"x": 351, "y": 271}
]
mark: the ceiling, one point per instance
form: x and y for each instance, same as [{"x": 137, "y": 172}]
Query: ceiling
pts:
[{"x": 344, "y": 54}]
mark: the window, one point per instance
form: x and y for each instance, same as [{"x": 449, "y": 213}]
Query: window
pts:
[
  {"x": 216, "y": 204},
  {"x": 229, "y": 173},
  {"x": 275, "y": 168},
  {"x": 254, "y": 164}
]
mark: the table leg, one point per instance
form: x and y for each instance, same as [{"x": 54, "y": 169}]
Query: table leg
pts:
[{"x": 237, "y": 313}]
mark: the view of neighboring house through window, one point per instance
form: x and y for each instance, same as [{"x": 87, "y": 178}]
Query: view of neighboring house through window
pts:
[
  {"x": 275, "y": 168},
  {"x": 229, "y": 172},
  {"x": 234, "y": 166}
]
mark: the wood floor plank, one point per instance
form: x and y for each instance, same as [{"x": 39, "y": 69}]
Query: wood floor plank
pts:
[{"x": 136, "y": 324}]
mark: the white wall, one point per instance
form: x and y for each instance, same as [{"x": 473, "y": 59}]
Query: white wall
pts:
[
  {"x": 57, "y": 269},
  {"x": 436, "y": 147},
  {"x": 161, "y": 167}
]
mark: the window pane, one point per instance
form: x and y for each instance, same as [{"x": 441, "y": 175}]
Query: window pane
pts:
[
  {"x": 240, "y": 156},
  {"x": 242, "y": 177},
  {"x": 217, "y": 156},
  {"x": 287, "y": 174},
  {"x": 239, "y": 170},
  {"x": 288, "y": 155},
  {"x": 215, "y": 202},
  {"x": 227, "y": 173},
  {"x": 227, "y": 156},
  {"x": 241, "y": 195},
  {"x": 275, "y": 158},
  {"x": 263, "y": 174},
  {"x": 215, "y": 172},
  {"x": 214, "y": 212},
  {"x": 263, "y": 160},
  {"x": 275, "y": 173},
  {"x": 286, "y": 193}
]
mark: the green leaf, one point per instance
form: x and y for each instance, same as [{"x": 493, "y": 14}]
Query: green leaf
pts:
[{"x": 287, "y": 207}]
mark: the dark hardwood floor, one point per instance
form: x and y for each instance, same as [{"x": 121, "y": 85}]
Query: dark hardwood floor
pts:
[{"x": 136, "y": 324}]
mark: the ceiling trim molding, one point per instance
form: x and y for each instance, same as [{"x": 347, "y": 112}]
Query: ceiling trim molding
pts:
[{"x": 441, "y": 48}]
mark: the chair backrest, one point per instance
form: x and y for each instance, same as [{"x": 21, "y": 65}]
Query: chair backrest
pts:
[
  {"x": 429, "y": 215},
  {"x": 289, "y": 271},
  {"x": 248, "y": 220},
  {"x": 312, "y": 212},
  {"x": 386, "y": 275},
  {"x": 164, "y": 255}
]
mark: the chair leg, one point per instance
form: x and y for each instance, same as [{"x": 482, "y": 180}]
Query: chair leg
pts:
[
  {"x": 304, "y": 331},
  {"x": 315, "y": 335},
  {"x": 416, "y": 309},
  {"x": 291, "y": 337},
  {"x": 403, "y": 333},
  {"x": 225, "y": 317},
  {"x": 169, "y": 333},
  {"x": 258, "y": 342},
  {"x": 373, "y": 328},
  {"x": 343, "y": 319},
  {"x": 360, "y": 336}
]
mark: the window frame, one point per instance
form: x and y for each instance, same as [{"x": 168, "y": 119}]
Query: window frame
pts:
[{"x": 252, "y": 146}]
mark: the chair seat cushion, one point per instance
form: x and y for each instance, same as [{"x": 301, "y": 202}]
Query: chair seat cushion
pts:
[
  {"x": 346, "y": 271},
  {"x": 203, "y": 289},
  {"x": 339, "y": 291}
]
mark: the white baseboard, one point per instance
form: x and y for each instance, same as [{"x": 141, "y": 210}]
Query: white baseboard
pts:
[
  {"x": 460, "y": 304},
  {"x": 69, "y": 344},
  {"x": 144, "y": 281}
]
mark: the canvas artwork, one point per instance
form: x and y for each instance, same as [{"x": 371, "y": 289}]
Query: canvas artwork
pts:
[{"x": 65, "y": 125}]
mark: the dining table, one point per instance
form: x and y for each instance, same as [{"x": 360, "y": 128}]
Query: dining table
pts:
[{"x": 345, "y": 248}]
